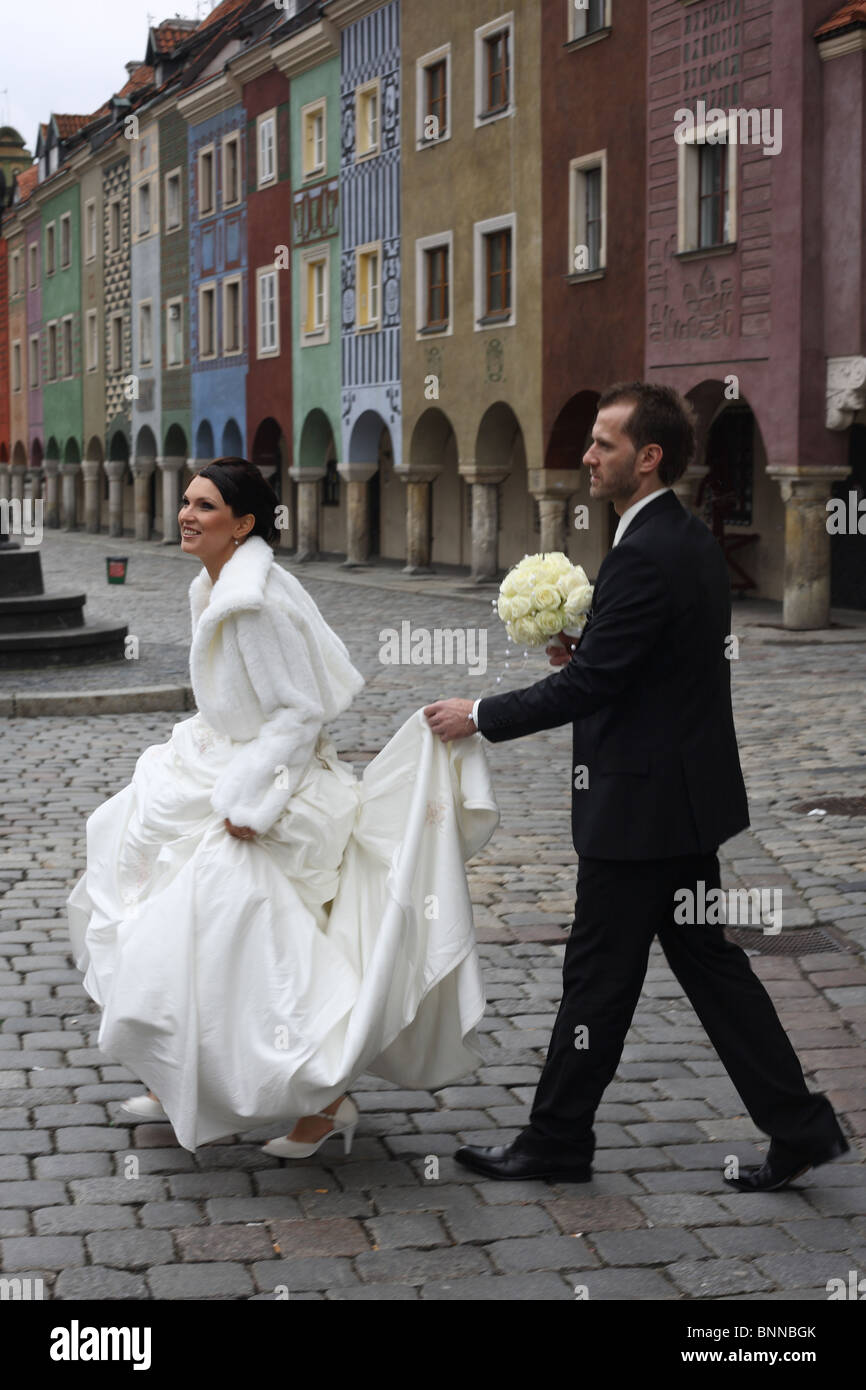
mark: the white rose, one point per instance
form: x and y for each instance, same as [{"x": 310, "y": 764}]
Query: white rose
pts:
[
  {"x": 550, "y": 621},
  {"x": 520, "y": 607},
  {"x": 547, "y": 596}
]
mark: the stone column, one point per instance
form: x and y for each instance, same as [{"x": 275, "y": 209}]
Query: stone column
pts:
[
  {"x": 142, "y": 471},
  {"x": 69, "y": 501},
  {"x": 92, "y": 471},
  {"x": 51, "y": 469},
  {"x": 806, "y": 603},
  {"x": 171, "y": 468},
  {"x": 115, "y": 468},
  {"x": 308, "y": 480},
  {"x": 686, "y": 487},
  {"x": 17, "y": 474},
  {"x": 5, "y": 482},
  {"x": 419, "y": 505},
  {"x": 552, "y": 487},
  {"x": 356, "y": 477},
  {"x": 485, "y": 520}
]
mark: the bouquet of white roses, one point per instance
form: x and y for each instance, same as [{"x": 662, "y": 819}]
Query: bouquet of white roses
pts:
[{"x": 543, "y": 595}]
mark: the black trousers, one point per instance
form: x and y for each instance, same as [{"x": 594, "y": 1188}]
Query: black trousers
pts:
[{"x": 621, "y": 905}]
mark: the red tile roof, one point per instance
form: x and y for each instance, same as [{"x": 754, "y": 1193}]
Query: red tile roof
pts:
[
  {"x": 140, "y": 78},
  {"x": 27, "y": 181},
  {"x": 848, "y": 16},
  {"x": 222, "y": 12},
  {"x": 67, "y": 125},
  {"x": 168, "y": 35}
]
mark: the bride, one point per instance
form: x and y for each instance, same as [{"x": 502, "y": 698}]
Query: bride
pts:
[{"x": 258, "y": 926}]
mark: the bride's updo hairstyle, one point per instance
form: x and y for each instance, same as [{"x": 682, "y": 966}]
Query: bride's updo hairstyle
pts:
[{"x": 246, "y": 490}]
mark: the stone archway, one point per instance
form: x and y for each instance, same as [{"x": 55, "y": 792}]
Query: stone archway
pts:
[
  {"x": 437, "y": 502},
  {"x": 119, "y": 478},
  {"x": 848, "y": 545},
  {"x": 361, "y": 474},
  {"x": 93, "y": 473},
  {"x": 144, "y": 474},
  {"x": 562, "y": 486},
  {"x": 321, "y": 495},
  {"x": 270, "y": 455},
  {"x": 232, "y": 445},
  {"x": 204, "y": 445},
  {"x": 501, "y": 516}
]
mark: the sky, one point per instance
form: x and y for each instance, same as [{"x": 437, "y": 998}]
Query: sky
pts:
[{"x": 70, "y": 55}]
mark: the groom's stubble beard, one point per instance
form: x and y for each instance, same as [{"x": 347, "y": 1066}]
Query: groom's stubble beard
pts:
[{"x": 620, "y": 483}]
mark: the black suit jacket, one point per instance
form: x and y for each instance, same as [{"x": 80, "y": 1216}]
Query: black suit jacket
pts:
[{"x": 648, "y": 693}]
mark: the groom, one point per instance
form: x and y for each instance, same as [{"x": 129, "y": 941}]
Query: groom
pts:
[{"x": 648, "y": 694}]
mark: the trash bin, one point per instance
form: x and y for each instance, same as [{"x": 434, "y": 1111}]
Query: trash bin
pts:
[{"x": 116, "y": 567}]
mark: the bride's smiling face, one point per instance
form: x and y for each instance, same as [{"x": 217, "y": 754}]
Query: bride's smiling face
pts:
[{"x": 208, "y": 526}]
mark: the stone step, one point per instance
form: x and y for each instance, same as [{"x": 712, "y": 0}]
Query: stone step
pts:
[
  {"x": 66, "y": 647},
  {"x": 41, "y": 612}
]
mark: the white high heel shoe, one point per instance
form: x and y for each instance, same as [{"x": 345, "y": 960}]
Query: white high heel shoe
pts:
[
  {"x": 142, "y": 1108},
  {"x": 344, "y": 1118}
]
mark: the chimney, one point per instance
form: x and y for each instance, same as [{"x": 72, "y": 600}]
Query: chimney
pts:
[{"x": 132, "y": 67}]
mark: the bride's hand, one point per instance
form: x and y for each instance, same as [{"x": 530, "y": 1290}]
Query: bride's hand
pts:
[
  {"x": 240, "y": 832},
  {"x": 560, "y": 656}
]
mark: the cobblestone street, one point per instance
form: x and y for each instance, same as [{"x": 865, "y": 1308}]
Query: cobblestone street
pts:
[{"x": 228, "y": 1222}]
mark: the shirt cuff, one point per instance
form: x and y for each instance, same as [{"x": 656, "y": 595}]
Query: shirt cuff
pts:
[{"x": 475, "y": 712}]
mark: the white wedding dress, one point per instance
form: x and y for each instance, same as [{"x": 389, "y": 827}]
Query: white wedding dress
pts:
[{"x": 249, "y": 982}]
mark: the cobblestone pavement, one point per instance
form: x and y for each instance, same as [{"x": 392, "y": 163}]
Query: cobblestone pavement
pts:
[{"x": 398, "y": 1219}]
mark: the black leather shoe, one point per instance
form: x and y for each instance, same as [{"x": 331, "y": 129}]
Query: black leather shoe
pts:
[
  {"x": 510, "y": 1165},
  {"x": 775, "y": 1173}
]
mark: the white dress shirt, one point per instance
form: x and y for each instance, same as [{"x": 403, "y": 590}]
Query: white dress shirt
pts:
[{"x": 624, "y": 522}]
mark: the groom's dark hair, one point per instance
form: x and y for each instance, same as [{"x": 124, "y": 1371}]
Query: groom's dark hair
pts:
[{"x": 660, "y": 416}]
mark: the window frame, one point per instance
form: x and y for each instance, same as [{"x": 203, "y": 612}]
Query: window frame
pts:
[
  {"x": 143, "y": 187},
  {"x": 67, "y": 327},
  {"x": 262, "y": 272},
  {"x": 173, "y": 174},
  {"x": 33, "y": 266},
  {"x": 91, "y": 318},
  {"x": 266, "y": 118},
  {"x": 206, "y": 151},
  {"x": 115, "y": 323},
  {"x": 52, "y": 350},
  {"x": 34, "y": 362},
  {"x": 480, "y": 232},
  {"x": 688, "y": 187},
  {"x": 423, "y": 66},
  {"x": 320, "y": 254},
  {"x": 228, "y": 282},
  {"x": 578, "y": 168},
  {"x": 484, "y": 34},
  {"x": 363, "y": 91},
  {"x": 576, "y": 22},
  {"x": 208, "y": 287},
  {"x": 15, "y": 272},
  {"x": 423, "y": 246},
  {"x": 15, "y": 352},
  {"x": 363, "y": 252},
  {"x": 51, "y": 246},
  {"x": 142, "y": 305},
  {"x": 90, "y": 213},
  {"x": 169, "y": 303},
  {"x": 308, "y": 112},
  {"x": 115, "y": 216},
  {"x": 233, "y": 138},
  {"x": 65, "y": 227}
]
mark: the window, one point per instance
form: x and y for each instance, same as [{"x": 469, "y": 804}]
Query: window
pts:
[
  {"x": 207, "y": 321},
  {"x": 174, "y": 333},
  {"x": 33, "y": 364},
  {"x": 713, "y": 194},
  {"x": 367, "y": 275},
  {"x": 707, "y": 193},
  {"x": 432, "y": 97},
  {"x": 231, "y": 170},
  {"x": 268, "y": 339},
  {"x": 587, "y": 17},
  {"x": 51, "y": 371},
  {"x": 313, "y": 138},
  {"x": 494, "y": 272},
  {"x": 315, "y": 273},
  {"x": 68, "y": 362},
  {"x": 205, "y": 182},
  {"x": 66, "y": 241},
  {"x": 144, "y": 209},
  {"x": 115, "y": 342},
  {"x": 367, "y": 119},
  {"x": 267, "y": 127},
  {"x": 50, "y": 249},
  {"x": 16, "y": 366},
  {"x": 433, "y": 283},
  {"x": 32, "y": 266},
  {"x": 232, "y": 329},
  {"x": 587, "y": 223},
  {"x": 145, "y": 333},
  {"x": 90, "y": 230},
  {"x": 114, "y": 225},
  {"x": 91, "y": 340},
  {"x": 494, "y": 70},
  {"x": 173, "y": 213},
  {"x": 15, "y": 272}
]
